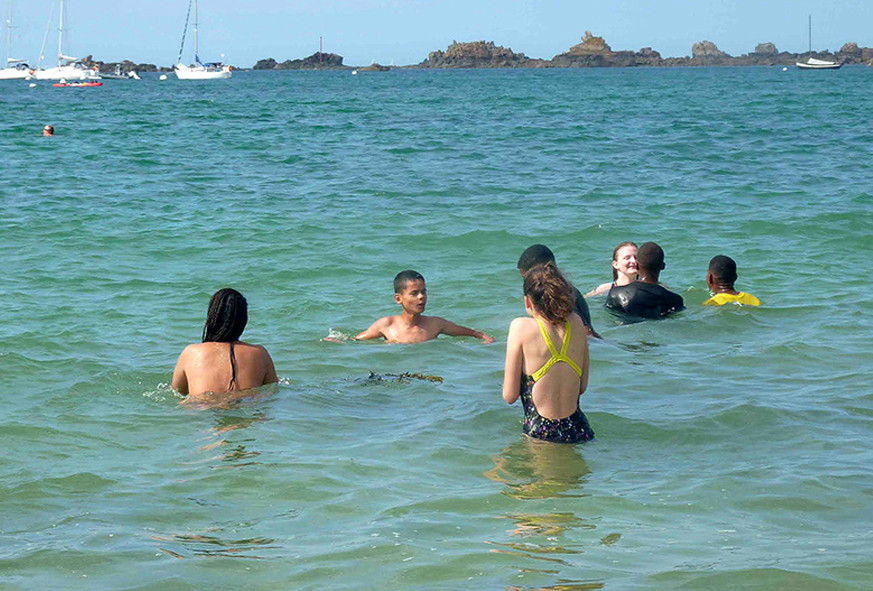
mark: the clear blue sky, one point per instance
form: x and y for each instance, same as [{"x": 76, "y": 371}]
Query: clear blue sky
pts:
[{"x": 407, "y": 30}]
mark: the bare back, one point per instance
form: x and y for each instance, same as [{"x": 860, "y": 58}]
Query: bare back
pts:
[
  {"x": 555, "y": 394},
  {"x": 206, "y": 367}
]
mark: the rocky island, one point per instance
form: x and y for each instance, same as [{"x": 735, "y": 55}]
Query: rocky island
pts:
[
  {"x": 316, "y": 61},
  {"x": 124, "y": 66},
  {"x": 594, "y": 52}
]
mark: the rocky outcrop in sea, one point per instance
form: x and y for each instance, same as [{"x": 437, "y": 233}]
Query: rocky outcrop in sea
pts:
[
  {"x": 595, "y": 52},
  {"x": 124, "y": 65},
  {"x": 316, "y": 61},
  {"x": 477, "y": 54}
]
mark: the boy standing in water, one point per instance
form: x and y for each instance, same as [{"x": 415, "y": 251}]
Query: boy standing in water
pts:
[
  {"x": 411, "y": 325},
  {"x": 720, "y": 278},
  {"x": 540, "y": 254}
]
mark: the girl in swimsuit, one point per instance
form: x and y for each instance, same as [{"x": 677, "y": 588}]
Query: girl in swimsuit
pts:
[
  {"x": 624, "y": 268},
  {"x": 222, "y": 363},
  {"x": 547, "y": 360}
]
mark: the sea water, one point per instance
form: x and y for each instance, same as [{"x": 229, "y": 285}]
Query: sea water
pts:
[{"x": 734, "y": 445}]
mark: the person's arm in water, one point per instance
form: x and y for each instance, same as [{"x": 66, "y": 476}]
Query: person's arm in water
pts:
[
  {"x": 599, "y": 290},
  {"x": 180, "y": 378},
  {"x": 456, "y": 330},
  {"x": 376, "y": 330},
  {"x": 514, "y": 360},
  {"x": 583, "y": 383}
]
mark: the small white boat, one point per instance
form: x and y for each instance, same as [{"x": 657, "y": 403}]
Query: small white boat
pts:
[
  {"x": 198, "y": 70},
  {"x": 68, "y": 68},
  {"x": 15, "y": 69},
  {"x": 813, "y": 63},
  {"x": 119, "y": 75}
]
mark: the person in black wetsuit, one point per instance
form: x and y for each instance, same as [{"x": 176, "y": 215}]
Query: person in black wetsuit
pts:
[
  {"x": 645, "y": 298},
  {"x": 539, "y": 254}
]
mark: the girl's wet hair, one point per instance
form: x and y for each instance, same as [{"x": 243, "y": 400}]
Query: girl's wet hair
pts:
[
  {"x": 549, "y": 292},
  {"x": 226, "y": 318},
  {"x": 615, "y": 256}
]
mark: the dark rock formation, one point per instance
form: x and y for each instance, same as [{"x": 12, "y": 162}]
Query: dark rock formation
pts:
[
  {"x": 590, "y": 45},
  {"x": 706, "y": 53},
  {"x": 477, "y": 54},
  {"x": 125, "y": 66},
  {"x": 316, "y": 61},
  {"x": 265, "y": 64},
  {"x": 851, "y": 49},
  {"x": 594, "y": 52},
  {"x": 374, "y": 67},
  {"x": 766, "y": 49}
]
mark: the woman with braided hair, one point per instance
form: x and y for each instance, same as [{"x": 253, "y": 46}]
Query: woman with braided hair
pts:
[
  {"x": 221, "y": 362},
  {"x": 548, "y": 379}
]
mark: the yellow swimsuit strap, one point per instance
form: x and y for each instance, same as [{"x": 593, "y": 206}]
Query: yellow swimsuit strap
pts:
[{"x": 556, "y": 356}]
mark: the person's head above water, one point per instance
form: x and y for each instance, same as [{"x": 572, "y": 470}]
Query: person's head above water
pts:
[
  {"x": 226, "y": 318},
  {"x": 624, "y": 260},
  {"x": 410, "y": 292},
  {"x": 722, "y": 273},
  {"x": 48, "y": 130},
  {"x": 548, "y": 292},
  {"x": 533, "y": 256},
  {"x": 405, "y": 277},
  {"x": 650, "y": 260}
]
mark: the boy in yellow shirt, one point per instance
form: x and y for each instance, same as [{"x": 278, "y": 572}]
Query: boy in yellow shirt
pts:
[{"x": 720, "y": 278}]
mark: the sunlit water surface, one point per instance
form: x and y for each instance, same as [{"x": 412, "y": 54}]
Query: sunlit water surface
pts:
[{"x": 733, "y": 446}]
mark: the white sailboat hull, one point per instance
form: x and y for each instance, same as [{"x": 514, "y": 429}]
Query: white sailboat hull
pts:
[
  {"x": 70, "y": 72},
  {"x": 15, "y": 74},
  {"x": 814, "y": 64},
  {"x": 184, "y": 72}
]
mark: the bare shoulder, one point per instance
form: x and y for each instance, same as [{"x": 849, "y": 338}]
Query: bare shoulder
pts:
[
  {"x": 385, "y": 321},
  {"x": 192, "y": 350},
  {"x": 252, "y": 349},
  {"x": 522, "y": 324}
]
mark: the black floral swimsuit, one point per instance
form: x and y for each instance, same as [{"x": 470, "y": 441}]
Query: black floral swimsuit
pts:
[{"x": 571, "y": 429}]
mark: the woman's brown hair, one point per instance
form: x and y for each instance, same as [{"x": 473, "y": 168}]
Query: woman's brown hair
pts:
[{"x": 549, "y": 292}]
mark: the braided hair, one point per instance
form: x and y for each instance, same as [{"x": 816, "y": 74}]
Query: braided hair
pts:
[{"x": 226, "y": 320}]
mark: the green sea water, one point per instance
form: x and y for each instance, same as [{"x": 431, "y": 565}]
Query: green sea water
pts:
[{"x": 734, "y": 446}]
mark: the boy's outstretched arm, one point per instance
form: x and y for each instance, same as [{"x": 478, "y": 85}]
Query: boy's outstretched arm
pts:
[
  {"x": 456, "y": 330},
  {"x": 375, "y": 331}
]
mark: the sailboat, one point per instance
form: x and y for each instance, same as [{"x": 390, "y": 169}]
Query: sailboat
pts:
[
  {"x": 68, "y": 68},
  {"x": 198, "y": 70},
  {"x": 15, "y": 69},
  {"x": 813, "y": 63}
]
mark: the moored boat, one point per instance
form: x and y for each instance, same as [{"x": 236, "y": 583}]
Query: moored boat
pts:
[
  {"x": 813, "y": 63},
  {"x": 15, "y": 69},
  {"x": 198, "y": 70},
  {"x": 68, "y": 68}
]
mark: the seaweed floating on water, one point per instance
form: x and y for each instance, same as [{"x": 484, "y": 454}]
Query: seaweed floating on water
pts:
[{"x": 404, "y": 377}]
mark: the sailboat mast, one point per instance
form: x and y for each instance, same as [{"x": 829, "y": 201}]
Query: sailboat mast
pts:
[
  {"x": 61, "y": 35},
  {"x": 8, "y": 31},
  {"x": 196, "y": 41},
  {"x": 810, "y": 35}
]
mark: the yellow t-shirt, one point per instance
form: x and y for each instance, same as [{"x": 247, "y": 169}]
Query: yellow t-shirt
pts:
[{"x": 746, "y": 299}]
